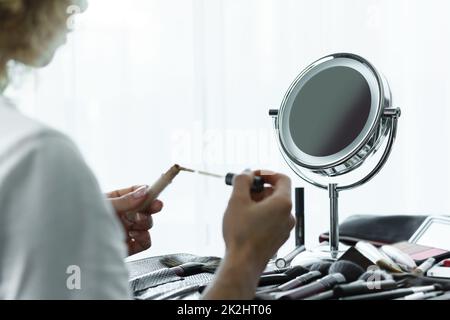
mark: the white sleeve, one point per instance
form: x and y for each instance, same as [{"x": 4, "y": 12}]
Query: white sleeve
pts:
[{"x": 60, "y": 239}]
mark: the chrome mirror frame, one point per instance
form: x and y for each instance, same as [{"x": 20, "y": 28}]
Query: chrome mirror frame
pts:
[{"x": 381, "y": 125}]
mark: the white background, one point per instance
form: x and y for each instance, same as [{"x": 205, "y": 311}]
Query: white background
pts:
[{"x": 145, "y": 83}]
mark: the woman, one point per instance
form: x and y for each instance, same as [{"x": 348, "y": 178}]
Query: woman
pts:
[{"x": 54, "y": 220}]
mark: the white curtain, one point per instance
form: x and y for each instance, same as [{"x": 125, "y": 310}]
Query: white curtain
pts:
[{"x": 143, "y": 84}]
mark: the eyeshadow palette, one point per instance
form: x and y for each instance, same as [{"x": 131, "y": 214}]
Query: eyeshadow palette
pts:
[{"x": 420, "y": 253}]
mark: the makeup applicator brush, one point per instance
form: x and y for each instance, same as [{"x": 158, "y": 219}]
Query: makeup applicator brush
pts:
[{"x": 208, "y": 264}]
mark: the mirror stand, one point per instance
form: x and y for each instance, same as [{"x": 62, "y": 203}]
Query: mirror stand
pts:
[{"x": 334, "y": 220}]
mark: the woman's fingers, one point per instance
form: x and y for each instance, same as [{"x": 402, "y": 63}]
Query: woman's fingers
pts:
[
  {"x": 138, "y": 241},
  {"x": 131, "y": 201},
  {"x": 155, "y": 207},
  {"x": 144, "y": 222},
  {"x": 122, "y": 192},
  {"x": 241, "y": 186},
  {"x": 280, "y": 183},
  {"x": 267, "y": 192},
  {"x": 137, "y": 224}
]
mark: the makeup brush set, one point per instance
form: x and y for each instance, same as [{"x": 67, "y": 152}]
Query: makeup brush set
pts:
[
  {"x": 364, "y": 272},
  {"x": 412, "y": 269}
]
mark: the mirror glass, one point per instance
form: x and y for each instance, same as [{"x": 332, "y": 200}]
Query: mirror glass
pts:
[{"x": 330, "y": 111}]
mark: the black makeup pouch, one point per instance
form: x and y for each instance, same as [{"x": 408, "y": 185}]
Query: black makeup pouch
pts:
[{"x": 377, "y": 229}]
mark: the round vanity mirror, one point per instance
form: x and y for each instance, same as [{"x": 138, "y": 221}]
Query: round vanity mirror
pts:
[{"x": 335, "y": 115}]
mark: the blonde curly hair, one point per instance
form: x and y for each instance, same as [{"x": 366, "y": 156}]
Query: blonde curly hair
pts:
[{"x": 31, "y": 30}]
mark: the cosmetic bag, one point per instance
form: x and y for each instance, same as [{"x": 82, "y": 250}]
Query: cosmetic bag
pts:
[{"x": 377, "y": 229}]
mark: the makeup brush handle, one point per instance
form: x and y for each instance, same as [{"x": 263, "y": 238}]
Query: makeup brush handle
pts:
[{"x": 272, "y": 279}]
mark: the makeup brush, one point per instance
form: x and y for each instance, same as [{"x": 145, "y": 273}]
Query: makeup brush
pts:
[
  {"x": 177, "y": 270},
  {"x": 208, "y": 264},
  {"x": 377, "y": 257},
  {"x": 340, "y": 272},
  {"x": 444, "y": 296},
  {"x": 166, "y": 275},
  {"x": 392, "y": 294},
  {"x": 350, "y": 270},
  {"x": 399, "y": 257},
  {"x": 360, "y": 287},
  {"x": 355, "y": 288},
  {"x": 279, "y": 278},
  {"x": 316, "y": 271}
]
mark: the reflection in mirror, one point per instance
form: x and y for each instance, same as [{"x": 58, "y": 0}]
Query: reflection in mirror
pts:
[{"x": 330, "y": 111}]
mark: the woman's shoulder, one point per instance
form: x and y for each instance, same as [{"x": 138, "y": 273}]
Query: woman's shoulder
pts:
[
  {"x": 30, "y": 148},
  {"x": 20, "y": 134}
]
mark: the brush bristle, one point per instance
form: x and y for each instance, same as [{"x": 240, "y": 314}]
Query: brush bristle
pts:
[
  {"x": 171, "y": 261},
  {"x": 375, "y": 275},
  {"x": 210, "y": 264},
  {"x": 351, "y": 271},
  {"x": 296, "y": 271},
  {"x": 322, "y": 267}
]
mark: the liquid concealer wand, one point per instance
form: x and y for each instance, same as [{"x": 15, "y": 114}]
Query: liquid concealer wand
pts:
[
  {"x": 166, "y": 179},
  {"x": 257, "y": 186},
  {"x": 159, "y": 185}
]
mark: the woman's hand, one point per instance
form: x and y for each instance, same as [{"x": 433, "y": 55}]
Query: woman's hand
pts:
[
  {"x": 254, "y": 227},
  {"x": 126, "y": 202},
  {"x": 257, "y": 224}
]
